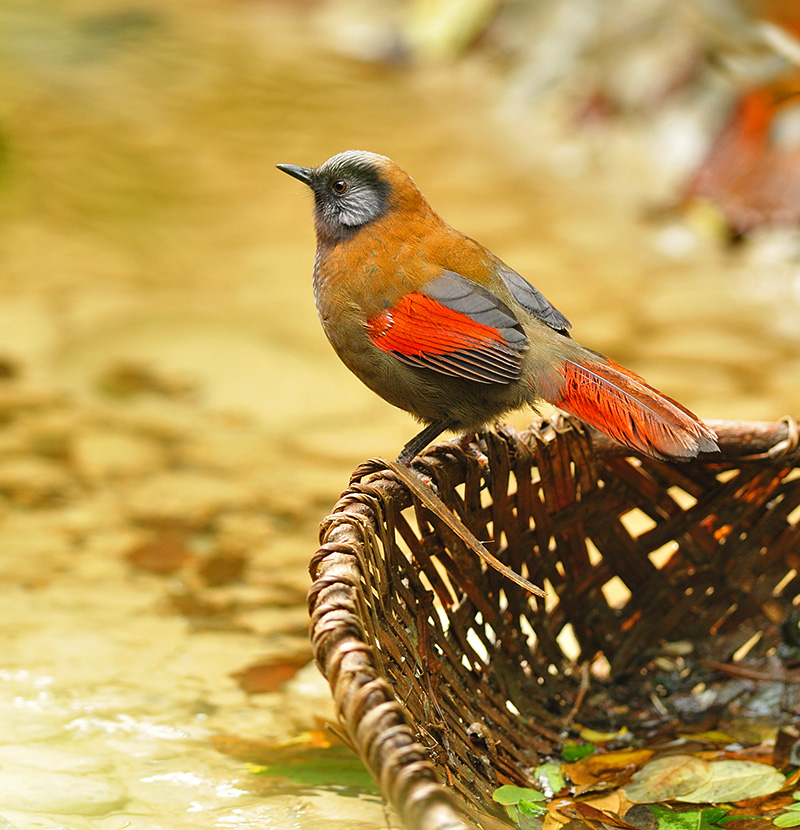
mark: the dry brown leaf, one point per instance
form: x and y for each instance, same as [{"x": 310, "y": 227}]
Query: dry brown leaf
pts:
[
  {"x": 553, "y": 820},
  {"x": 162, "y": 554},
  {"x": 604, "y": 770},
  {"x": 222, "y": 568},
  {"x": 270, "y": 752},
  {"x": 593, "y": 816},
  {"x": 745, "y": 823},
  {"x": 271, "y": 675},
  {"x": 606, "y": 803}
]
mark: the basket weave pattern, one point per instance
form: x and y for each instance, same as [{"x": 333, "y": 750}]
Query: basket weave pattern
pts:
[{"x": 451, "y": 680}]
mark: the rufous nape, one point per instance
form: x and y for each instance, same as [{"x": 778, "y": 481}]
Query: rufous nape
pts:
[{"x": 437, "y": 325}]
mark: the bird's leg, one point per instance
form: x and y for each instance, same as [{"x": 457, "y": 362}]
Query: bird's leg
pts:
[{"x": 421, "y": 440}]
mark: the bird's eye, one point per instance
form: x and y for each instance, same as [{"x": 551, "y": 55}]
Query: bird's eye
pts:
[{"x": 340, "y": 187}]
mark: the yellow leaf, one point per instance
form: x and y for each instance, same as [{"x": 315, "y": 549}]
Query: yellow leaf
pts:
[
  {"x": 712, "y": 736},
  {"x": 595, "y": 737},
  {"x": 552, "y": 821},
  {"x": 607, "y": 803}
]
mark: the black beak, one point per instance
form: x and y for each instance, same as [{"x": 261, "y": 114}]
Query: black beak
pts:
[{"x": 301, "y": 173}]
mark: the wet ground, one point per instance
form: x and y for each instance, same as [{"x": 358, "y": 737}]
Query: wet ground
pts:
[{"x": 174, "y": 424}]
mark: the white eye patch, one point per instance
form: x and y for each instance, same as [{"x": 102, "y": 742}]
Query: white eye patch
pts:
[{"x": 359, "y": 205}]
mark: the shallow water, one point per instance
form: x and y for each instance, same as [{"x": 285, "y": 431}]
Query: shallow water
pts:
[{"x": 175, "y": 387}]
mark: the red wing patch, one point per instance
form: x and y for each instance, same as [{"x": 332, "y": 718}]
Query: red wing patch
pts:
[{"x": 421, "y": 332}]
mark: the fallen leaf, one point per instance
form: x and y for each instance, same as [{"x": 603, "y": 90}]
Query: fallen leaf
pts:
[
  {"x": 528, "y": 814},
  {"x": 691, "y": 820},
  {"x": 222, "y": 568},
  {"x": 712, "y": 736},
  {"x": 667, "y": 778},
  {"x": 261, "y": 753},
  {"x": 764, "y": 804},
  {"x": 735, "y": 781},
  {"x": 792, "y": 781},
  {"x": 732, "y": 822},
  {"x": 335, "y": 767},
  {"x": 271, "y": 675},
  {"x": 595, "y": 737},
  {"x": 607, "y": 768},
  {"x": 163, "y": 554},
  {"x": 574, "y": 752},
  {"x": 303, "y": 763},
  {"x": 524, "y": 806},
  {"x": 553, "y": 821},
  {"x": 551, "y": 778},
  {"x": 508, "y": 794},
  {"x": 762, "y": 752},
  {"x": 610, "y": 802},
  {"x": 595, "y": 817}
]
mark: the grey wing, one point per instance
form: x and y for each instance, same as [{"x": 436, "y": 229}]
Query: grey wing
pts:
[
  {"x": 478, "y": 303},
  {"x": 533, "y": 301}
]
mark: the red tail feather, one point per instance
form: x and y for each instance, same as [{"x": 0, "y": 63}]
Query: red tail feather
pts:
[{"x": 621, "y": 404}]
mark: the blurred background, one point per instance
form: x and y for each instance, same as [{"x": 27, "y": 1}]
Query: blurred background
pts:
[{"x": 174, "y": 424}]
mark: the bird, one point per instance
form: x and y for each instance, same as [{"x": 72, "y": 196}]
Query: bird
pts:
[{"x": 439, "y": 326}]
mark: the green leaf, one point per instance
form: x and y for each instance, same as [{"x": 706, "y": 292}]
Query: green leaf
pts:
[
  {"x": 510, "y": 795},
  {"x": 713, "y": 815},
  {"x": 334, "y": 767},
  {"x": 788, "y": 819},
  {"x": 670, "y": 820},
  {"x": 574, "y": 752},
  {"x": 550, "y": 777},
  {"x": 532, "y": 808},
  {"x": 708, "y": 819},
  {"x": 531, "y": 821},
  {"x": 518, "y": 813}
]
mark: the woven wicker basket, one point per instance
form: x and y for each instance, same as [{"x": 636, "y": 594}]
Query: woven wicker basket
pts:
[{"x": 451, "y": 680}]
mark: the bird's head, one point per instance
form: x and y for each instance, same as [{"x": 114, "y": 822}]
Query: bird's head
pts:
[{"x": 352, "y": 189}]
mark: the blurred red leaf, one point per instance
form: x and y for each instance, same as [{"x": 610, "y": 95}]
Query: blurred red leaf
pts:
[
  {"x": 271, "y": 675},
  {"x": 162, "y": 554}
]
